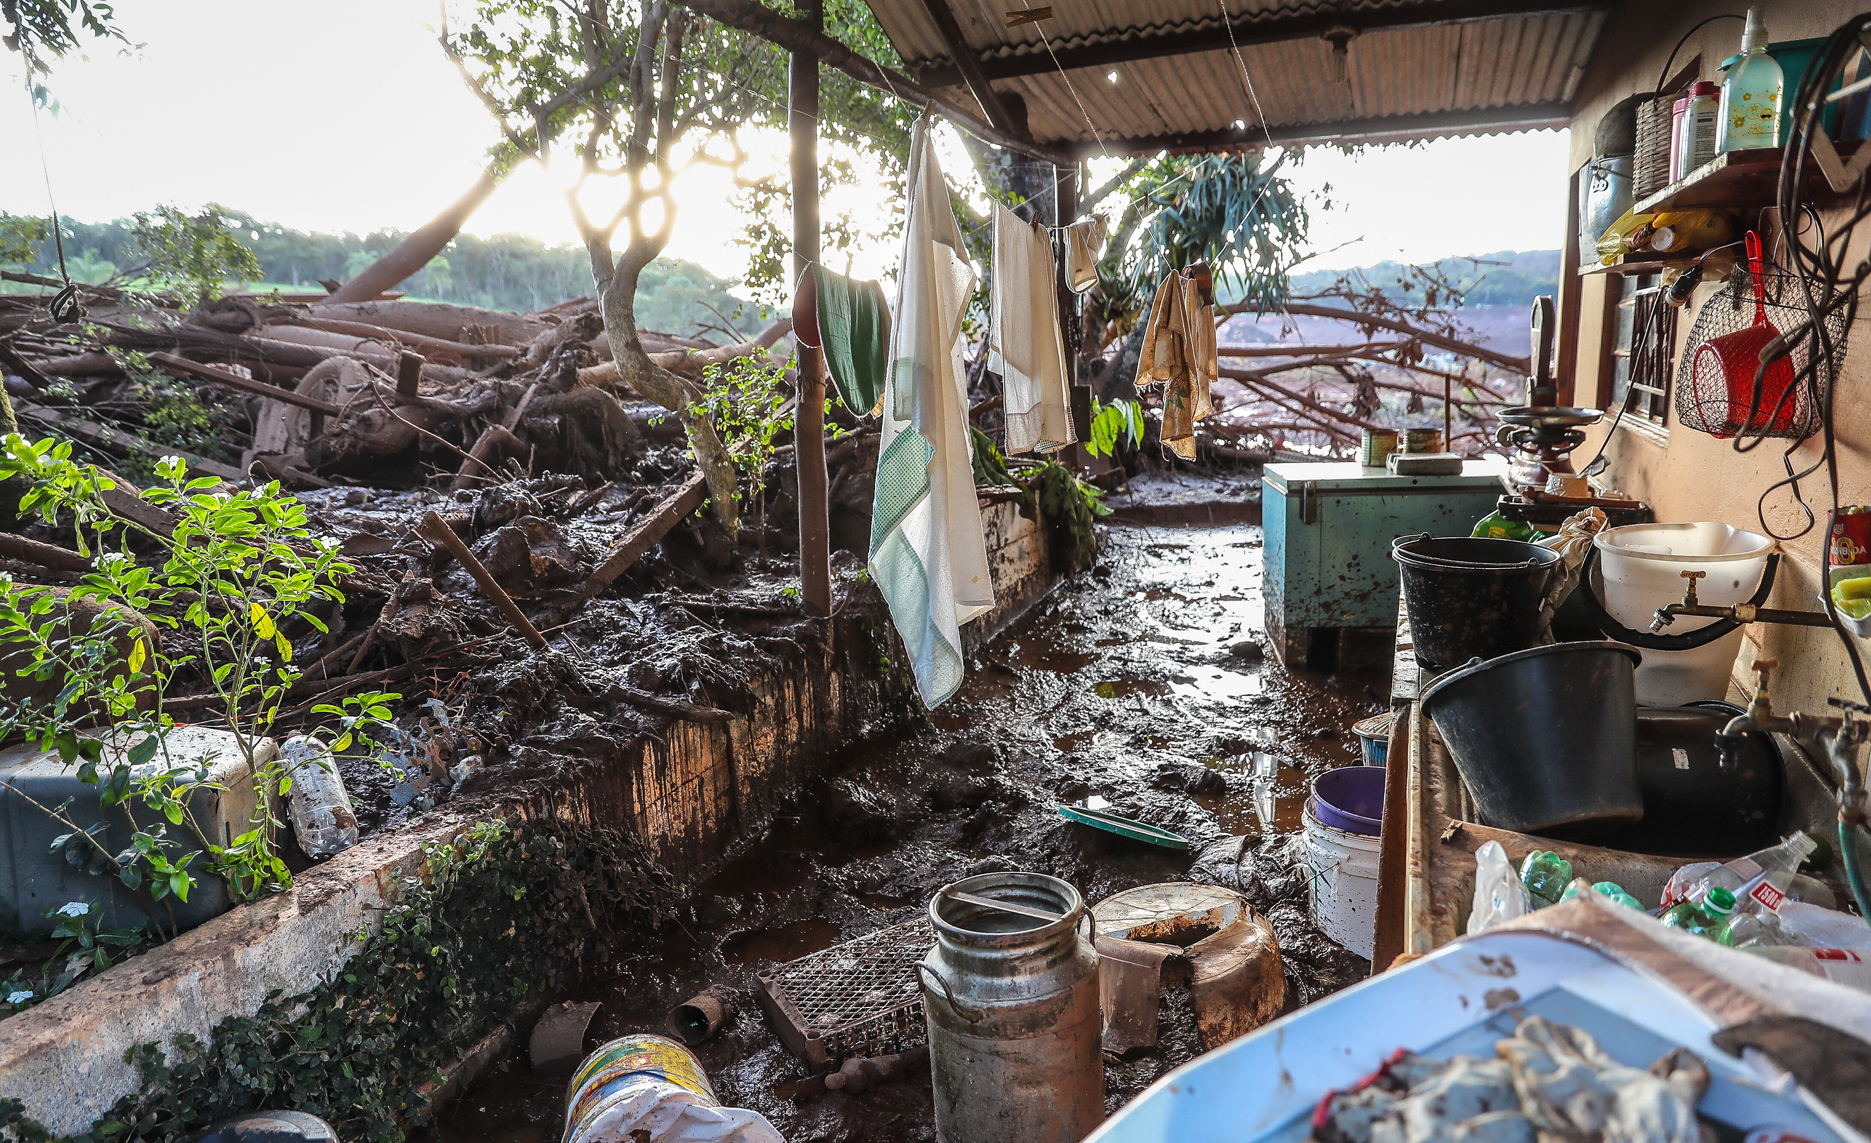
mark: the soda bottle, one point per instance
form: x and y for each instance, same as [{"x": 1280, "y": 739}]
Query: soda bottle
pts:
[
  {"x": 1545, "y": 874},
  {"x": 1707, "y": 919},
  {"x": 1754, "y": 930},
  {"x": 1609, "y": 890},
  {"x": 1758, "y": 881}
]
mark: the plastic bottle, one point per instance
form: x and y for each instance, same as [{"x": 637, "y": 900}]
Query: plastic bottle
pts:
[
  {"x": 1696, "y": 128},
  {"x": 1760, "y": 880},
  {"x": 1609, "y": 890},
  {"x": 1840, "y": 966},
  {"x": 1752, "y": 930},
  {"x": 320, "y": 809},
  {"x": 1751, "y": 94},
  {"x": 1545, "y": 874},
  {"x": 1709, "y": 918}
]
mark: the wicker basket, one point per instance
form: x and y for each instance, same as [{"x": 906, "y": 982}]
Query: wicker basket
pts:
[{"x": 1650, "y": 165}]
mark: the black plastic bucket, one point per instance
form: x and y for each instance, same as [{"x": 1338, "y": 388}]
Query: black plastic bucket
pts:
[
  {"x": 1546, "y": 739},
  {"x": 1471, "y": 597}
]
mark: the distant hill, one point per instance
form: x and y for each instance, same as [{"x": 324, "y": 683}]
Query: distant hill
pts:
[
  {"x": 503, "y": 272},
  {"x": 1505, "y": 278}
]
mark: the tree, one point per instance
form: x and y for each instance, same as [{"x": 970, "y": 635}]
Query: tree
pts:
[
  {"x": 44, "y": 30},
  {"x": 642, "y": 91}
]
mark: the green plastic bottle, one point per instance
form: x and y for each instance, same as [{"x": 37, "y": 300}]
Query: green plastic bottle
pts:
[
  {"x": 1545, "y": 874},
  {"x": 1751, "y": 95},
  {"x": 1609, "y": 890},
  {"x": 1708, "y": 919}
]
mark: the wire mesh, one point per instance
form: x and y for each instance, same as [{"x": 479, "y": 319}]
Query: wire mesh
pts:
[
  {"x": 1715, "y": 382},
  {"x": 859, "y": 998}
]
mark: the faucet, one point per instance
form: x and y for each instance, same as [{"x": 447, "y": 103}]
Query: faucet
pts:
[
  {"x": 1840, "y": 735},
  {"x": 1760, "y": 718},
  {"x": 1739, "y": 613}
]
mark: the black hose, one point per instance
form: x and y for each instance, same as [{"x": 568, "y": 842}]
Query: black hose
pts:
[{"x": 1701, "y": 637}]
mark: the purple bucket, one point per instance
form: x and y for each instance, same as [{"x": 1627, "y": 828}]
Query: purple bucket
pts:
[{"x": 1350, "y": 798}]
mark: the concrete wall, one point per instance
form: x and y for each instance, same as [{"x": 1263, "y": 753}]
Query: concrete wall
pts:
[
  {"x": 694, "y": 793},
  {"x": 1688, "y": 475}
]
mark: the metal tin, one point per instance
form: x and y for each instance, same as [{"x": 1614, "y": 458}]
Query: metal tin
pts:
[
  {"x": 1422, "y": 440},
  {"x": 1851, "y": 536},
  {"x": 1377, "y": 446},
  {"x": 1011, "y": 1003}
]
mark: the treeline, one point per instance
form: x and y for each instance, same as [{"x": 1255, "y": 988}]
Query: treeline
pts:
[
  {"x": 1508, "y": 277},
  {"x": 503, "y": 272}
]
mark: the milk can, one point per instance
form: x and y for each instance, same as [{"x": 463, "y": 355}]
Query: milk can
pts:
[{"x": 1010, "y": 994}]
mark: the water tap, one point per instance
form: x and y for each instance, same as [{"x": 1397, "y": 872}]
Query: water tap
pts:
[{"x": 1759, "y": 716}]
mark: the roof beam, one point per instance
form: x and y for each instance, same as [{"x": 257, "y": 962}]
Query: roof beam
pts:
[
  {"x": 969, "y": 67},
  {"x": 1385, "y": 129},
  {"x": 1248, "y": 31},
  {"x": 759, "y": 20}
]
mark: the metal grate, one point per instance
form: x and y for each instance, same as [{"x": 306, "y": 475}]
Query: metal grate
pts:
[{"x": 859, "y": 998}]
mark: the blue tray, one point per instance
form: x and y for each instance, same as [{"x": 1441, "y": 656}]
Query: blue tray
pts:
[{"x": 1124, "y": 827}]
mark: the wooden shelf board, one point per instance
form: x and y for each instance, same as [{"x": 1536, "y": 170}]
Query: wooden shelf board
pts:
[
  {"x": 1739, "y": 180},
  {"x": 1652, "y": 266}
]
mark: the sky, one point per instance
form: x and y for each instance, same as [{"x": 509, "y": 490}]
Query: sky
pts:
[{"x": 345, "y": 115}]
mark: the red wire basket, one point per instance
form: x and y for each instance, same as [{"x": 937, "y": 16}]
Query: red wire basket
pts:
[{"x": 1715, "y": 384}]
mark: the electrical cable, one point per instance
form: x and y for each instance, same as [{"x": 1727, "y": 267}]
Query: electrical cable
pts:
[
  {"x": 64, "y": 304},
  {"x": 1824, "y": 287}
]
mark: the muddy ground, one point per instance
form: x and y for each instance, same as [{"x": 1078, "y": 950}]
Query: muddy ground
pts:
[{"x": 1130, "y": 684}]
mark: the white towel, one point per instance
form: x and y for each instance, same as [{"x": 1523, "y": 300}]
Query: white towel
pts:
[
  {"x": 928, "y": 554},
  {"x": 1024, "y": 345},
  {"x": 1084, "y": 241}
]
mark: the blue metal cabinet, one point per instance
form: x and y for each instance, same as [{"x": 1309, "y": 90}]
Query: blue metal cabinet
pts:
[{"x": 1328, "y": 529}]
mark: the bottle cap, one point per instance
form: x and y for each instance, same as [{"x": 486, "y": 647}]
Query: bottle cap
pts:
[
  {"x": 1704, "y": 87},
  {"x": 1720, "y": 901}
]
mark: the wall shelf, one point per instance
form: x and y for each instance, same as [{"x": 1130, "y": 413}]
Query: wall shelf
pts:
[
  {"x": 1646, "y": 266},
  {"x": 1739, "y": 180}
]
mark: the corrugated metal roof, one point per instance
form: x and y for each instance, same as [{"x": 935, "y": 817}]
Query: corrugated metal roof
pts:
[{"x": 1468, "y": 77}]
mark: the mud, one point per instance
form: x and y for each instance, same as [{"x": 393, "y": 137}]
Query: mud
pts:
[{"x": 1128, "y": 687}]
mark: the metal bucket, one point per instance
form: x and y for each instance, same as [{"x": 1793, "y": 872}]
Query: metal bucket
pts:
[
  {"x": 1545, "y": 739},
  {"x": 1011, "y": 1002}
]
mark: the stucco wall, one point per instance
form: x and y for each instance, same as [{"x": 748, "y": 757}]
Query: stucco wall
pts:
[{"x": 1687, "y": 475}]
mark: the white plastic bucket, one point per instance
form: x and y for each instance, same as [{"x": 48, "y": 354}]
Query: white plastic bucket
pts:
[
  {"x": 1344, "y": 883},
  {"x": 1642, "y": 566}
]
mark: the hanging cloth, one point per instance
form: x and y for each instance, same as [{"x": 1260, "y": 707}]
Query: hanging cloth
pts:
[
  {"x": 1179, "y": 354},
  {"x": 928, "y": 553},
  {"x": 850, "y": 321},
  {"x": 1023, "y": 344},
  {"x": 1084, "y": 241}
]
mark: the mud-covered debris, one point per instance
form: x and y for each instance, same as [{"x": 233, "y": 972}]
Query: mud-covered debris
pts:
[
  {"x": 1248, "y": 651},
  {"x": 1188, "y": 778}
]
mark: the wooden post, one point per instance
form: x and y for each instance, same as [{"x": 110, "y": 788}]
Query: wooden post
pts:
[{"x": 815, "y": 572}]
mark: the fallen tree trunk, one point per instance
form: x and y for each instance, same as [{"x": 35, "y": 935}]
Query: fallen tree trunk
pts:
[
  {"x": 423, "y": 342},
  {"x": 423, "y": 244},
  {"x": 1368, "y": 321},
  {"x": 438, "y": 320},
  {"x": 691, "y": 362},
  {"x": 106, "y": 437}
]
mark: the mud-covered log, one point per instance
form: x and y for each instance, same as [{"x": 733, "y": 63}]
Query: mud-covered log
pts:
[{"x": 438, "y": 320}]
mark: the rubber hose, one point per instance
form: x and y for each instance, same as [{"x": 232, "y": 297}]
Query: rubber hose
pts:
[
  {"x": 1701, "y": 637},
  {"x": 1848, "y": 850}
]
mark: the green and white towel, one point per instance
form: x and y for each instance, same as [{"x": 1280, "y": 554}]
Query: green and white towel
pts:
[{"x": 928, "y": 555}]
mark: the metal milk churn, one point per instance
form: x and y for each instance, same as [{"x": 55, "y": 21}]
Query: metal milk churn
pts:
[{"x": 1010, "y": 995}]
